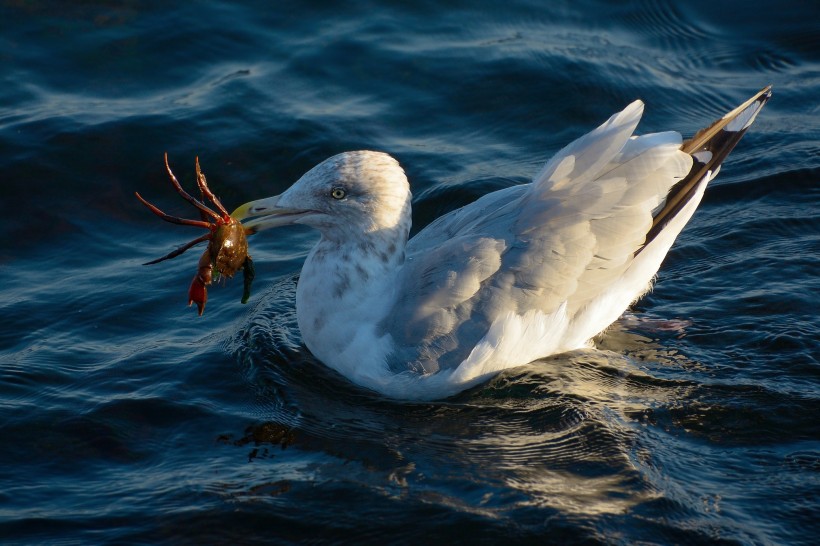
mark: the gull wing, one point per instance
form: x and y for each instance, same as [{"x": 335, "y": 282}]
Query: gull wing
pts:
[{"x": 556, "y": 246}]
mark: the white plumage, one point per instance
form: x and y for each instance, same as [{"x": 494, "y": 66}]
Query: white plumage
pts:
[{"x": 520, "y": 274}]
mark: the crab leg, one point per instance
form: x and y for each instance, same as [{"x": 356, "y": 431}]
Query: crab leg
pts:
[
  {"x": 180, "y": 250},
  {"x": 188, "y": 197},
  {"x": 206, "y": 191},
  {"x": 202, "y": 215},
  {"x": 173, "y": 219}
]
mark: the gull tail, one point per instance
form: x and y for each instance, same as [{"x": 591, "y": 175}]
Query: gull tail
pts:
[{"x": 708, "y": 148}]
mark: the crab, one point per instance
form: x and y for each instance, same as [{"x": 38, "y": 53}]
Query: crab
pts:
[{"x": 227, "y": 250}]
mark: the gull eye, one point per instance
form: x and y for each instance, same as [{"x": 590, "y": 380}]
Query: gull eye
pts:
[{"x": 338, "y": 193}]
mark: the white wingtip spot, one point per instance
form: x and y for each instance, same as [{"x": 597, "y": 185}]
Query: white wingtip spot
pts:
[
  {"x": 745, "y": 118},
  {"x": 703, "y": 156}
]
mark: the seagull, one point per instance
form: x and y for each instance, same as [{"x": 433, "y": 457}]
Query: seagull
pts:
[{"x": 522, "y": 273}]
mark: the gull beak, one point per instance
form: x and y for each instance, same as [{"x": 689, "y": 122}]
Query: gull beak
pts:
[{"x": 266, "y": 214}]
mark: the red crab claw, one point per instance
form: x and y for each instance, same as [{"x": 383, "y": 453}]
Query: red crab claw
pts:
[{"x": 198, "y": 292}]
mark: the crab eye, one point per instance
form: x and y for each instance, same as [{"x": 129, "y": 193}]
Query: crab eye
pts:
[{"x": 338, "y": 193}]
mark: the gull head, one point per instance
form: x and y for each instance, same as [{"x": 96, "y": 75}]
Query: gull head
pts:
[{"x": 349, "y": 194}]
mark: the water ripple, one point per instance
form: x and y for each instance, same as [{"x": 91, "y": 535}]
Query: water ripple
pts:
[{"x": 128, "y": 419}]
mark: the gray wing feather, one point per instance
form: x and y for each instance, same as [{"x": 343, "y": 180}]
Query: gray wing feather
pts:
[{"x": 562, "y": 239}]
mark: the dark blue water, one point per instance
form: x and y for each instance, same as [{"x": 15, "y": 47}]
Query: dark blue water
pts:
[{"x": 125, "y": 418}]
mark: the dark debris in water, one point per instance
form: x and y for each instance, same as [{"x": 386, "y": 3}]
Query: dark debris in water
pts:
[{"x": 262, "y": 436}]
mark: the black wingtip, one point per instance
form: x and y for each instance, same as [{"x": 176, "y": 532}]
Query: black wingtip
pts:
[{"x": 708, "y": 148}]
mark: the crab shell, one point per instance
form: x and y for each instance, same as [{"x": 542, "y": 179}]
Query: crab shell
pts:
[{"x": 229, "y": 248}]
